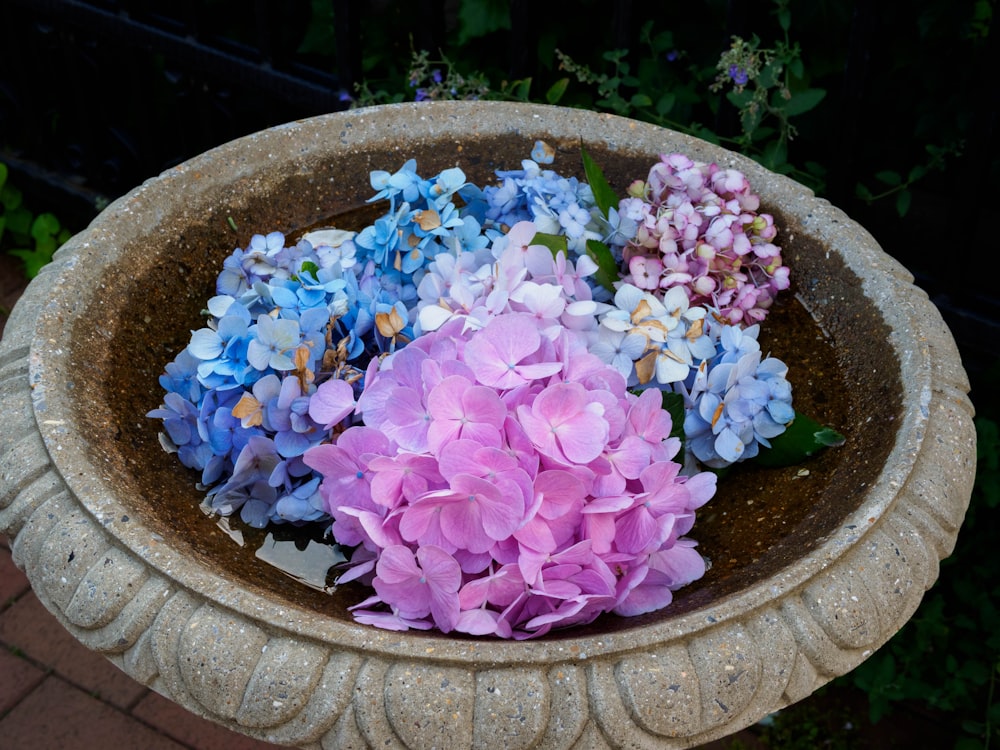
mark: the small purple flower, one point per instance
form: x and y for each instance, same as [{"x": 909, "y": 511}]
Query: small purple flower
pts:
[{"x": 738, "y": 75}]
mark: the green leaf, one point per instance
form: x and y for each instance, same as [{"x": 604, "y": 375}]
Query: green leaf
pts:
[
  {"x": 3, "y": 175},
  {"x": 768, "y": 77},
  {"x": 33, "y": 260},
  {"x": 974, "y": 671},
  {"x": 10, "y": 197},
  {"x": 803, "y": 438},
  {"x": 916, "y": 173},
  {"x": 603, "y": 194},
  {"x": 556, "y": 91},
  {"x": 607, "y": 268},
  {"x": 663, "y": 41},
  {"x": 775, "y": 155},
  {"x": 44, "y": 227},
  {"x": 554, "y": 242},
  {"x": 803, "y": 101},
  {"x": 750, "y": 118},
  {"x": 903, "y": 203},
  {"x": 320, "y": 36},
  {"x": 674, "y": 404},
  {"x": 641, "y": 100},
  {"x": 521, "y": 89},
  {"x": 705, "y": 133},
  {"x": 863, "y": 192},
  {"x": 815, "y": 168},
  {"x": 740, "y": 99},
  {"x": 666, "y": 103},
  {"x": 785, "y": 19},
  {"x": 478, "y": 18},
  {"x": 889, "y": 177},
  {"x": 611, "y": 85},
  {"x": 994, "y": 712},
  {"x": 968, "y": 743},
  {"x": 45, "y": 250},
  {"x": 762, "y": 135},
  {"x": 19, "y": 221}
]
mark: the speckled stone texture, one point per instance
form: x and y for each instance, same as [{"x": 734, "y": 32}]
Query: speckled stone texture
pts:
[{"x": 107, "y": 529}]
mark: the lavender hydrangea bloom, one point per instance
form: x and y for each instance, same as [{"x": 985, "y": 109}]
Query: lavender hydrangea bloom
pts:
[
  {"x": 698, "y": 224},
  {"x": 518, "y": 485}
]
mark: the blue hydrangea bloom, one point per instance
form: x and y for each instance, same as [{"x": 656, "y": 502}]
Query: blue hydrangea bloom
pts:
[
  {"x": 558, "y": 205},
  {"x": 738, "y": 408},
  {"x": 287, "y": 316}
]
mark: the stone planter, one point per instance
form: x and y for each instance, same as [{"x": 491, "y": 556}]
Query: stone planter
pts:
[{"x": 811, "y": 573}]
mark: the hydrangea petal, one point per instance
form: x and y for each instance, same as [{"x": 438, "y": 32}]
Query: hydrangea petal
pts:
[{"x": 331, "y": 402}]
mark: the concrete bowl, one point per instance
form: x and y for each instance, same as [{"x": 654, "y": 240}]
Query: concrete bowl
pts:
[{"x": 811, "y": 572}]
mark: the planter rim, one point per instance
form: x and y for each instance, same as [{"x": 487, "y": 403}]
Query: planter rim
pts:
[{"x": 54, "y": 408}]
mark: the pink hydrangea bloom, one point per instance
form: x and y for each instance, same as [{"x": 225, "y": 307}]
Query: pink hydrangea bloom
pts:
[
  {"x": 698, "y": 228},
  {"x": 420, "y": 584},
  {"x": 517, "y": 485}
]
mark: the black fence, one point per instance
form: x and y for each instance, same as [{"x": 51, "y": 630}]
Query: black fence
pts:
[
  {"x": 98, "y": 95},
  {"x": 109, "y": 92}
]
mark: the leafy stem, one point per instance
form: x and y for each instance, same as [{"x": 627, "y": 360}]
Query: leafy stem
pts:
[{"x": 895, "y": 184}]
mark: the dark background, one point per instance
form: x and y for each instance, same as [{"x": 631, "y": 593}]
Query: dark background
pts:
[{"x": 98, "y": 95}]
